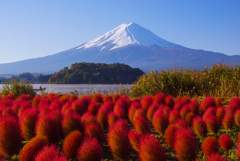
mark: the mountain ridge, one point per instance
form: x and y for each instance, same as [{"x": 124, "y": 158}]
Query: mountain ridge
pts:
[{"x": 129, "y": 44}]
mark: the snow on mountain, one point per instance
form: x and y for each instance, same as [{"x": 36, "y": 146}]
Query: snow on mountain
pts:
[{"x": 127, "y": 34}]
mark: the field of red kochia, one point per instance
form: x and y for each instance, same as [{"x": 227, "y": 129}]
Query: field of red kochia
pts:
[{"x": 104, "y": 127}]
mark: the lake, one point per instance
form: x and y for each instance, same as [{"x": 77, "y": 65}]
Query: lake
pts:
[{"x": 81, "y": 88}]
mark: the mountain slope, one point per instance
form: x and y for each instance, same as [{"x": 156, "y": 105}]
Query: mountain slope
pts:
[{"x": 128, "y": 43}]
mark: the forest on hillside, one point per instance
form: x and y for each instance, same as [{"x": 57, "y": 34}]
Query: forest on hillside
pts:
[{"x": 96, "y": 73}]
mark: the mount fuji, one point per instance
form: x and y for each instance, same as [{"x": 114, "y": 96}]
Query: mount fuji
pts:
[{"x": 129, "y": 44}]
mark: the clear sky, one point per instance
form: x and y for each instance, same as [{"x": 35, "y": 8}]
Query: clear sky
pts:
[{"x": 36, "y": 28}]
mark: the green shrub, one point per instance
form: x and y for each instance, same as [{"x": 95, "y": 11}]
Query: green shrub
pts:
[
  {"x": 219, "y": 80},
  {"x": 17, "y": 88}
]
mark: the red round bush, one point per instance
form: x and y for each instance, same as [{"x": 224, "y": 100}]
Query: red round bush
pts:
[
  {"x": 70, "y": 123},
  {"x": 10, "y": 136},
  {"x": 48, "y": 127},
  {"x": 169, "y": 135},
  {"x": 194, "y": 106},
  {"x": 210, "y": 145},
  {"x": 228, "y": 121},
  {"x": 237, "y": 150},
  {"x": 169, "y": 100},
  {"x": 153, "y": 107},
  {"x": 151, "y": 149},
  {"x": 207, "y": 102},
  {"x": 159, "y": 98},
  {"x": 86, "y": 99},
  {"x": 97, "y": 98},
  {"x": 218, "y": 102},
  {"x": 186, "y": 145},
  {"x": 173, "y": 116},
  {"x": 71, "y": 144},
  {"x": 94, "y": 131},
  {"x": 216, "y": 157},
  {"x": 93, "y": 107},
  {"x": 112, "y": 118},
  {"x": 212, "y": 124},
  {"x": 79, "y": 107},
  {"x": 90, "y": 150},
  {"x": 237, "y": 117},
  {"x": 118, "y": 141},
  {"x": 51, "y": 152},
  {"x": 146, "y": 101},
  {"x": 225, "y": 142},
  {"x": 30, "y": 150},
  {"x": 131, "y": 110},
  {"x": 88, "y": 118},
  {"x": 134, "y": 138},
  {"x": 199, "y": 127},
  {"x": 220, "y": 114},
  {"x": 141, "y": 125},
  {"x": 160, "y": 122},
  {"x": 102, "y": 117},
  {"x": 28, "y": 122}
]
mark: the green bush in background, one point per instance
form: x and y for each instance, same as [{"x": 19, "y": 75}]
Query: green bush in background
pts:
[
  {"x": 219, "y": 80},
  {"x": 17, "y": 88}
]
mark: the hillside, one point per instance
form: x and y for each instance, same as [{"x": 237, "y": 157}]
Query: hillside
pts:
[
  {"x": 99, "y": 73},
  {"x": 129, "y": 44}
]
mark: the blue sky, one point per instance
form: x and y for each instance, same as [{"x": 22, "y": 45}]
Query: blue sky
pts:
[{"x": 36, "y": 28}]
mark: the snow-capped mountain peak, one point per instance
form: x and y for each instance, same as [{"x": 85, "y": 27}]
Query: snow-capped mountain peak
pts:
[{"x": 127, "y": 34}]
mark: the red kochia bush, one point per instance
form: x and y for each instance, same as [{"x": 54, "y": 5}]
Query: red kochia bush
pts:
[
  {"x": 199, "y": 127},
  {"x": 169, "y": 100},
  {"x": 207, "y": 102},
  {"x": 93, "y": 130},
  {"x": 51, "y": 152},
  {"x": 212, "y": 124},
  {"x": 220, "y": 114},
  {"x": 73, "y": 98},
  {"x": 159, "y": 98},
  {"x": 237, "y": 117},
  {"x": 141, "y": 125},
  {"x": 173, "y": 116},
  {"x": 97, "y": 98},
  {"x": 209, "y": 111},
  {"x": 153, "y": 107},
  {"x": 228, "y": 121},
  {"x": 189, "y": 117},
  {"x": 146, "y": 101},
  {"x": 160, "y": 122},
  {"x": 88, "y": 118},
  {"x": 112, "y": 118},
  {"x": 194, "y": 106},
  {"x": 138, "y": 112},
  {"x": 48, "y": 127},
  {"x": 186, "y": 146},
  {"x": 237, "y": 150},
  {"x": 132, "y": 109},
  {"x": 70, "y": 123},
  {"x": 151, "y": 149},
  {"x": 30, "y": 150},
  {"x": 10, "y": 136},
  {"x": 28, "y": 123},
  {"x": 218, "y": 102},
  {"x": 71, "y": 144},
  {"x": 170, "y": 134},
  {"x": 107, "y": 98},
  {"x": 79, "y": 107},
  {"x": 134, "y": 138},
  {"x": 90, "y": 150},
  {"x": 86, "y": 99},
  {"x": 216, "y": 157},
  {"x": 93, "y": 107},
  {"x": 184, "y": 111},
  {"x": 210, "y": 145},
  {"x": 118, "y": 140},
  {"x": 225, "y": 142},
  {"x": 102, "y": 117}
]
